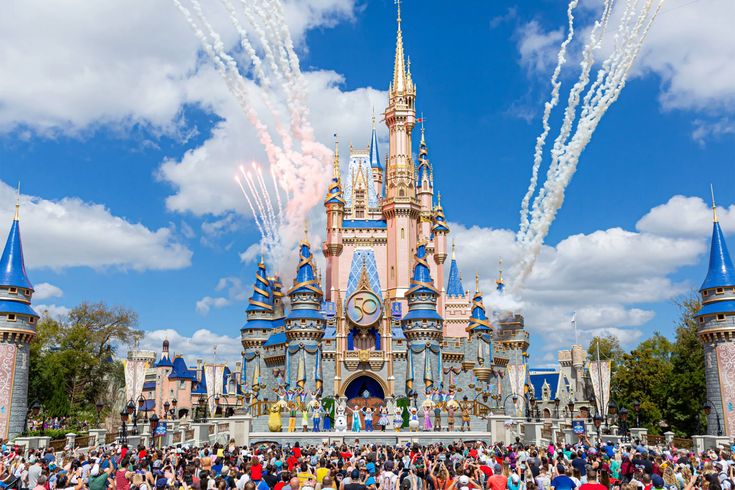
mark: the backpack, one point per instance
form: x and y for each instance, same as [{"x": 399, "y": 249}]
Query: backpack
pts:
[{"x": 386, "y": 481}]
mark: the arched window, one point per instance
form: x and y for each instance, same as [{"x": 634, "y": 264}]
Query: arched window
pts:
[{"x": 403, "y": 233}]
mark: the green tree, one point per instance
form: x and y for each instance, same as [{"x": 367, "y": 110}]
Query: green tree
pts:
[
  {"x": 686, "y": 387},
  {"x": 73, "y": 362},
  {"x": 643, "y": 375}
]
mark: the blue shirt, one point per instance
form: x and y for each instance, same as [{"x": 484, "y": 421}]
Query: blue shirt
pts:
[{"x": 563, "y": 482}]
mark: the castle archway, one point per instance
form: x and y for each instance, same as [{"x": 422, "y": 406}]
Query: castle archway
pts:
[{"x": 356, "y": 385}]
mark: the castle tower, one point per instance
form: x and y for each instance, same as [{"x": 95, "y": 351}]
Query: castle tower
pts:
[
  {"x": 332, "y": 248},
  {"x": 304, "y": 325},
  {"x": 259, "y": 312},
  {"x": 480, "y": 334},
  {"x": 457, "y": 302},
  {"x": 717, "y": 333},
  {"x": 440, "y": 230},
  {"x": 400, "y": 207},
  {"x": 425, "y": 188},
  {"x": 375, "y": 166},
  {"x": 422, "y": 325},
  {"x": 18, "y": 328},
  {"x": 165, "y": 361}
]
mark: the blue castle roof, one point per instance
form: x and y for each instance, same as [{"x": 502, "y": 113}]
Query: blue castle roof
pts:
[
  {"x": 180, "y": 370},
  {"x": 275, "y": 339},
  {"x": 305, "y": 281},
  {"x": 374, "y": 152},
  {"x": 334, "y": 193},
  {"x": 12, "y": 266},
  {"x": 539, "y": 377},
  {"x": 454, "y": 286},
  {"x": 200, "y": 388},
  {"x": 17, "y": 307},
  {"x": 440, "y": 221},
  {"x": 421, "y": 280},
  {"x": 164, "y": 361},
  {"x": 478, "y": 317},
  {"x": 721, "y": 272},
  {"x": 726, "y": 306},
  {"x": 262, "y": 298}
]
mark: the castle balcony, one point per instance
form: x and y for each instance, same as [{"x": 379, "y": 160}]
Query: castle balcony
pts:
[{"x": 354, "y": 359}]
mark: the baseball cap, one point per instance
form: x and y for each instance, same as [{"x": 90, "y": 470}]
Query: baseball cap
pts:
[
  {"x": 657, "y": 481},
  {"x": 355, "y": 474},
  {"x": 464, "y": 480}
]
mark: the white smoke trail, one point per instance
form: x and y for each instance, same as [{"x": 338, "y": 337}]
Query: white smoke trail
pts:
[
  {"x": 571, "y": 141},
  {"x": 252, "y": 209},
  {"x": 550, "y": 104}
]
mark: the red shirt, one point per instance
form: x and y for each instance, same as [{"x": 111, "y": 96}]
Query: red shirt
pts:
[
  {"x": 297, "y": 452},
  {"x": 279, "y": 485},
  {"x": 256, "y": 472},
  {"x": 498, "y": 482},
  {"x": 487, "y": 470},
  {"x": 291, "y": 461},
  {"x": 593, "y": 486}
]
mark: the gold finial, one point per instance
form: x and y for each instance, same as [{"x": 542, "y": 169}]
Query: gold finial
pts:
[
  {"x": 17, "y": 204},
  {"x": 477, "y": 282},
  {"x": 453, "y": 257},
  {"x": 714, "y": 206},
  {"x": 306, "y": 231},
  {"x": 439, "y": 199},
  {"x": 262, "y": 259},
  {"x": 335, "y": 168},
  {"x": 373, "y": 117},
  {"x": 398, "y": 3}
]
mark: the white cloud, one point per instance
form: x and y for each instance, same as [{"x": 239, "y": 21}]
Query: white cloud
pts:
[
  {"x": 54, "y": 311},
  {"x": 537, "y": 47},
  {"x": 73, "y": 65},
  {"x": 72, "y": 233},
  {"x": 234, "y": 292},
  {"x": 201, "y": 345},
  {"x": 691, "y": 48},
  {"x": 609, "y": 277},
  {"x": 688, "y": 217},
  {"x": 46, "y": 290}
]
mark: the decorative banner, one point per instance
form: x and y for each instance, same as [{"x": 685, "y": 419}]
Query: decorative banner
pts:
[
  {"x": 439, "y": 368},
  {"x": 600, "y": 376},
  {"x": 517, "y": 378},
  {"x": 301, "y": 370},
  {"x": 396, "y": 310},
  {"x": 480, "y": 354},
  {"x": 726, "y": 368},
  {"x": 215, "y": 374},
  {"x": 256, "y": 374},
  {"x": 578, "y": 427},
  {"x": 318, "y": 375},
  {"x": 7, "y": 375},
  {"x": 134, "y": 378},
  {"x": 428, "y": 376},
  {"x": 161, "y": 429},
  {"x": 409, "y": 371}
]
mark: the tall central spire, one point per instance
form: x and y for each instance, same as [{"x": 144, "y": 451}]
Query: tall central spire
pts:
[{"x": 399, "y": 69}]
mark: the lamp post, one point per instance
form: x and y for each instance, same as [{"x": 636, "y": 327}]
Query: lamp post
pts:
[
  {"x": 514, "y": 397},
  {"x": 174, "y": 402},
  {"x": 556, "y": 408},
  {"x": 570, "y": 408},
  {"x": 143, "y": 407},
  {"x": 99, "y": 406},
  {"x": 637, "y": 410},
  {"x": 132, "y": 412},
  {"x": 202, "y": 409},
  {"x": 708, "y": 407},
  {"x": 166, "y": 406},
  {"x": 623, "y": 429},
  {"x": 154, "y": 425},
  {"x": 124, "y": 426},
  {"x": 612, "y": 409}
]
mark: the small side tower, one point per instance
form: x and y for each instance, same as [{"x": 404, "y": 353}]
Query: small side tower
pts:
[
  {"x": 375, "y": 166},
  {"x": 480, "y": 334},
  {"x": 18, "y": 328},
  {"x": 717, "y": 333},
  {"x": 440, "y": 230},
  {"x": 259, "y": 312},
  {"x": 305, "y": 324},
  {"x": 422, "y": 325},
  {"x": 425, "y": 188},
  {"x": 334, "y": 202}
]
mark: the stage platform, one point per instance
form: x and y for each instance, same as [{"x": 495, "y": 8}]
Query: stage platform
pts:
[{"x": 385, "y": 438}]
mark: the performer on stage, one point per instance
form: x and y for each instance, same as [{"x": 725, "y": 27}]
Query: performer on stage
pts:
[
  {"x": 368, "y": 412},
  {"x": 398, "y": 418},
  {"x": 465, "y": 414},
  {"x": 355, "y": 418},
  {"x": 427, "y": 417},
  {"x": 383, "y": 419},
  {"x": 437, "y": 418},
  {"x": 316, "y": 416}
]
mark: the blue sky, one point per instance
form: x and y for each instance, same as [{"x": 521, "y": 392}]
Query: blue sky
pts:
[{"x": 100, "y": 109}]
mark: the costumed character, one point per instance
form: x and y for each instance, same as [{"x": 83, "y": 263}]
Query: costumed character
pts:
[
  {"x": 465, "y": 407},
  {"x": 368, "y": 412},
  {"x": 383, "y": 418},
  {"x": 452, "y": 407},
  {"x": 413, "y": 419},
  {"x": 275, "y": 424},
  {"x": 340, "y": 420},
  {"x": 397, "y": 418},
  {"x": 427, "y": 407},
  {"x": 304, "y": 418},
  {"x": 356, "y": 424},
  {"x": 316, "y": 412}
]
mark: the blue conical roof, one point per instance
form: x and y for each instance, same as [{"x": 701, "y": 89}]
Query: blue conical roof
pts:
[
  {"x": 454, "y": 286},
  {"x": 721, "y": 272},
  {"x": 305, "y": 280},
  {"x": 478, "y": 317},
  {"x": 374, "y": 152},
  {"x": 421, "y": 280},
  {"x": 262, "y": 298},
  {"x": 12, "y": 267}
]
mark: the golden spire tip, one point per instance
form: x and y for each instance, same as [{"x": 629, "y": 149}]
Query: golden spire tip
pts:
[
  {"x": 477, "y": 282},
  {"x": 453, "y": 257},
  {"x": 17, "y": 204},
  {"x": 714, "y": 206}
]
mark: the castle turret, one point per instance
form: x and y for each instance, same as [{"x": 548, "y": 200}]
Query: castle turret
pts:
[
  {"x": 305, "y": 320},
  {"x": 425, "y": 188},
  {"x": 259, "y": 311},
  {"x": 335, "y": 204},
  {"x": 18, "y": 328},
  {"x": 480, "y": 332},
  {"x": 400, "y": 206},
  {"x": 375, "y": 166},
  {"x": 440, "y": 230},
  {"x": 165, "y": 360},
  {"x": 717, "y": 332},
  {"x": 457, "y": 302},
  {"x": 422, "y": 322}
]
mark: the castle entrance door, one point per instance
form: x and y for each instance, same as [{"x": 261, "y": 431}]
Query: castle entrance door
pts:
[{"x": 364, "y": 391}]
